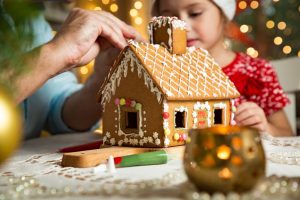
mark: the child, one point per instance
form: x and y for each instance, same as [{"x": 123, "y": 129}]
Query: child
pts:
[{"x": 262, "y": 100}]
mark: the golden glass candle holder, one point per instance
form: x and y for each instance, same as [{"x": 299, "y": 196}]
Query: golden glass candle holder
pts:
[{"x": 224, "y": 158}]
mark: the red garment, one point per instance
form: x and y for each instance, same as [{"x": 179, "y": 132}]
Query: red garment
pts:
[{"x": 257, "y": 81}]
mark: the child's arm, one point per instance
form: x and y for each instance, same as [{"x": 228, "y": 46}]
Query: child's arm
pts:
[{"x": 276, "y": 124}]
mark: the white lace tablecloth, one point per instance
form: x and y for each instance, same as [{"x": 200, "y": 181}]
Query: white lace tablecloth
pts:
[{"x": 36, "y": 167}]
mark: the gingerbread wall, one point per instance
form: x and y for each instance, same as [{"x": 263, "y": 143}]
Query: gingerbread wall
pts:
[
  {"x": 132, "y": 94},
  {"x": 199, "y": 114}
]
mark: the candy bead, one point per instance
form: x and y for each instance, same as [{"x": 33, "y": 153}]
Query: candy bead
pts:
[
  {"x": 176, "y": 136},
  {"x": 167, "y": 131},
  {"x": 128, "y": 102},
  {"x": 233, "y": 109},
  {"x": 166, "y": 115},
  {"x": 133, "y": 103},
  {"x": 117, "y": 101},
  {"x": 122, "y": 102},
  {"x": 138, "y": 106}
]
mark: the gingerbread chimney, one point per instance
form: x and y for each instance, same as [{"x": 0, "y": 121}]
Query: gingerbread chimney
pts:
[{"x": 169, "y": 32}]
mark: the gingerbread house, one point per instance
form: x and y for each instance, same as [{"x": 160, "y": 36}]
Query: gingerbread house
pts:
[{"x": 155, "y": 92}]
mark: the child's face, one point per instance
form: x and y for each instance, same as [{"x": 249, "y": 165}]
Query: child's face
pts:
[{"x": 204, "y": 20}]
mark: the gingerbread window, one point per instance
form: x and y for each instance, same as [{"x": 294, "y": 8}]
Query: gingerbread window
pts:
[
  {"x": 218, "y": 116},
  {"x": 180, "y": 119},
  {"x": 129, "y": 120}
]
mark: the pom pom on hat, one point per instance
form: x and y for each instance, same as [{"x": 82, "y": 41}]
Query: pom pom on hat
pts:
[{"x": 227, "y": 6}]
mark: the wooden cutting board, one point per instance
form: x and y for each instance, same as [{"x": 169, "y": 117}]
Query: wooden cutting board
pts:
[{"x": 92, "y": 158}]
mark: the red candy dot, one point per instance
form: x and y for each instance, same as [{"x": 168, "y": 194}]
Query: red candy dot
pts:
[
  {"x": 166, "y": 115},
  {"x": 181, "y": 138},
  {"x": 128, "y": 102}
]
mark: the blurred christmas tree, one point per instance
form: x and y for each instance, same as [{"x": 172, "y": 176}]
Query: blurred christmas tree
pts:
[
  {"x": 267, "y": 28},
  {"x": 15, "y": 37}
]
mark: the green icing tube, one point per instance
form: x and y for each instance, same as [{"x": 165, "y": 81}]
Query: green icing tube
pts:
[{"x": 149, "y": 158}]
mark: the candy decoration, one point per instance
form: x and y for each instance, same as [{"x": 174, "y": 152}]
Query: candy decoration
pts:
[
  {"x": 184, "y": 137},
  {"x": 167, "y": 131},
  {"x": 149, "y": 158},
  {"x": 117, "y": 101},
  {"x": 176, "y": 136},
  {"x": 233, "y": 109},
  {"x": 128, "y": 102},
  {"x": 181, "y": 138},
  {"x": 111, "y": 165},
  {"x": 233, "y": 122},
  {"x": 201, "y": 114},
  {"x": 201, "y": 123},
  {"x": 138, "y": 106},
  {"x": 166, "y": 115},
  {"x": 133, "y": 103},
  {"x": 122, "y": 102}
]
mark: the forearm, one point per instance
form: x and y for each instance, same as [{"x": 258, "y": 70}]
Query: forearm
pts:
[
  {"x": 40, "y": 65},
  {"x": 278, "y": 131},
  {"x": 82, "y": 110}
]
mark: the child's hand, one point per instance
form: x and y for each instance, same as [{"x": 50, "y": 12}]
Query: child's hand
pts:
[{"x": 250, "y": 114}]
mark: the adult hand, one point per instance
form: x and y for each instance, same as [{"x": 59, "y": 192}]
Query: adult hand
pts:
[
  {"x": 250, "y": 114},
  {"x": 105, "y": 60},
  {"x": 85, "y": 33}
]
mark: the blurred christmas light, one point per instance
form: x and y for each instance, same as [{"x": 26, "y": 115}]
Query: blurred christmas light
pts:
[
  {"x": 114, "y": 7},
  {"x": 242, "y": 5},
  {"x": 299, "y": 54},
  {"x": 244, "y": 28},
  {"x": 287, "y": 49},
  {"x": 254, "y": 4},
  {"x": 97, "y": 8},
  {"x": 281, "y": 25},
  {"x": 105, "y": 2},
  {"x": 252, "y": 52},
  {"x": 138, "y": 5},
  {"x": 133, "y": 12},
  {"x": 84, "y": 70},
  {"x": 270, "y": 24},
  {"x": 278, "y": 40},
  {"x": 138, "y": 20},
  {"x": 275, "y": 1}
]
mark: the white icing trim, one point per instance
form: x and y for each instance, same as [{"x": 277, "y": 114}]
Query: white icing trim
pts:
[
  {"x": 181, "y": 109},
  {"x": 121, "y": 71}
]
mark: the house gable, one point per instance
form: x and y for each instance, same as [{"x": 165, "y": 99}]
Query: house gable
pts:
[
  {"x": 132, "y": 115},
  {"x": 126, "y": 62}
]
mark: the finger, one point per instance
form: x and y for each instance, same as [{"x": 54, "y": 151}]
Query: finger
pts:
[
  {"x": 251, "y": 121},
  {"x": 138, "y": 36},
  {"x": 107, "y": 32},
  {"x": 127, "y": 30},
  {"x": 244, "y": 106},
  {"x": 112, "y": 23},
  {"x": 244, "y": 115},
  {"x": 90, "y": 55}
]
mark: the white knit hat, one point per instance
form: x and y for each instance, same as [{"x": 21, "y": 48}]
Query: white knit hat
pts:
[{"x": 227, "y": 6}]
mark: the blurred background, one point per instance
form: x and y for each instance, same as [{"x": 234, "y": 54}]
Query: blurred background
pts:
[
  {"x": 261, "y": 28},
  {"x": 264, "y": 28}
]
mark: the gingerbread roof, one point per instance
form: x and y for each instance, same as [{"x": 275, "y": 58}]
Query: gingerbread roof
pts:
[{"x": 190, "y": 76}]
